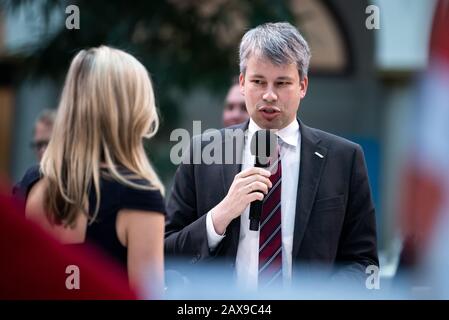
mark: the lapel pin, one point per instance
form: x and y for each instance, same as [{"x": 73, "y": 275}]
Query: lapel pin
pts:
[{"x": 319, "y": 155}]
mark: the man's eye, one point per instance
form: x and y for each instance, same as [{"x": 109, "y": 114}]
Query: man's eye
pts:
[
  {"x": 283, "y": 83},
  {"x": 256, "y": 81}
]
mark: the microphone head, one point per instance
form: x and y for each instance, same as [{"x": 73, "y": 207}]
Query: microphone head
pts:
[{"x": 263, "y": 146}]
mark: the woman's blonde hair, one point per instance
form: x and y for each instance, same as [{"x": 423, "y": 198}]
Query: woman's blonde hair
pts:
[{"x": 107, "y": 107}]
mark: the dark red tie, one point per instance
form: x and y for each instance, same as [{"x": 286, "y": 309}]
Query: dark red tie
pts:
[{"x": 270, "y": 238}]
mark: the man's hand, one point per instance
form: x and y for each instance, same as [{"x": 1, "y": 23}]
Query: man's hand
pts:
[{"x": 249, "y": 185}]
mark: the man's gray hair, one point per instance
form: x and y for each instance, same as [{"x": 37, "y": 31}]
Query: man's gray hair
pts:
[{"x": 279, "y": 42}]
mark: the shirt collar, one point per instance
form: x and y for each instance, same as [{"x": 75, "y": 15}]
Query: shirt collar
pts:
[{"x": 288, "y": 135}]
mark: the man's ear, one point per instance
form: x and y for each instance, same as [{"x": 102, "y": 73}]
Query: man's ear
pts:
[
  {"x": 242, "y": 83},
  {"x": 303, "y": 84}
]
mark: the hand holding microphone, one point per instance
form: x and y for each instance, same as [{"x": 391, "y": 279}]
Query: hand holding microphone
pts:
[{"x": 249, "y": 186}]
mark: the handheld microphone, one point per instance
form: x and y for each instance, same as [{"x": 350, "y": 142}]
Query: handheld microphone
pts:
[{"x": 263, "y": 147}]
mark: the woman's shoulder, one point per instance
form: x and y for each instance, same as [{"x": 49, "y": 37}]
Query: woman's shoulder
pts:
[
  {"x": 138, "y": 198},
  {"x": 139, "y": 194}
]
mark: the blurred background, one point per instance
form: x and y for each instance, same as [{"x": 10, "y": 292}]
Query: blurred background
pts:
[{"x": 362, "y": 82}]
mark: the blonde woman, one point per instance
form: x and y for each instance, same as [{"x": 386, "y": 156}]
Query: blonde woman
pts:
[{"x": 95, "y": 183}]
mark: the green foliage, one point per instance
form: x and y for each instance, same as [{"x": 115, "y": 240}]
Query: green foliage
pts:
[{"x": 183, "y": 43}]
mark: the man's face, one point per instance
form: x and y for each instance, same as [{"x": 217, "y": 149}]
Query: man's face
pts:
[
  {"x": 42, "y": 134},
  {"x": 235, "y": 110},
  {"x": 272, "y": 92}
]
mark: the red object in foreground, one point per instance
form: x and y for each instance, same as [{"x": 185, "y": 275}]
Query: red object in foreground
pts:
[
  {"x": 425, "y": 178},
  {"x": 33, "y": 265}
]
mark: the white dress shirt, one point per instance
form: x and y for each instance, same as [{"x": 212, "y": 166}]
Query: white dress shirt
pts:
[{"x": 247, "y": 261}]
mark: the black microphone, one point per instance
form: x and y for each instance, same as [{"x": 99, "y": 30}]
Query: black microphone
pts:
[{"x": 263, "y": 147}]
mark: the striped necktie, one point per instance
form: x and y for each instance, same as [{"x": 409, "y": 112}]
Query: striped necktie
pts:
[{"x": 270, "y": 236}]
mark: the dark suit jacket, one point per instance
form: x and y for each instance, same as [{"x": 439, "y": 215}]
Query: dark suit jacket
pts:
[{"x": 334, "y": 222}]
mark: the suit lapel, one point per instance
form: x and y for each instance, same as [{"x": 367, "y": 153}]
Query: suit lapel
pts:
[
  {"x": 229, "y": 171},
  {"x": 309, "y": 177}
]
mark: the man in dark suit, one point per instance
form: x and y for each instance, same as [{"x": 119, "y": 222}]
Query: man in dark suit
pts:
[{"x": 317, "y": 211}]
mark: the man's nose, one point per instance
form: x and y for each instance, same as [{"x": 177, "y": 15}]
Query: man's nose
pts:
[{"x": 270, "y": 95}]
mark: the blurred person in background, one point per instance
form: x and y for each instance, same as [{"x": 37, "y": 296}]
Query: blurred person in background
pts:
[
  {"x": 95, "y": 183},
  {"x": 234, "y": 111},
  {"x": 42, "y": 132}
]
